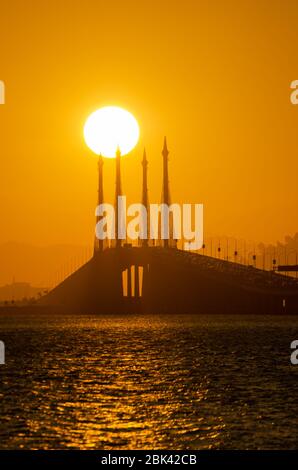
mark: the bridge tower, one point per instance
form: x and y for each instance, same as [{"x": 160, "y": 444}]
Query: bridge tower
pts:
[
  {"x": 145, "y": 199},
  {"x": 166, "y": 198},
  {"x": 119, "y": 216},
  {"x": 99, "y": 244}
]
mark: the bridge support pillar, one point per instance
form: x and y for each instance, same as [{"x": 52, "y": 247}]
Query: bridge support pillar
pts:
[
  {"x": 137, "y": 282},
  {"x": 129, "y": 287}
]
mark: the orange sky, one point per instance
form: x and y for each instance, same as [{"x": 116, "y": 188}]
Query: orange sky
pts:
[{"x": 213, "y": 76}]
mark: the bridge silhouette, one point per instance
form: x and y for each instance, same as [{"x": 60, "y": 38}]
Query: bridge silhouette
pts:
[
  {"x": 167, "y": 280},
  {"x": 159, "y": 279}
]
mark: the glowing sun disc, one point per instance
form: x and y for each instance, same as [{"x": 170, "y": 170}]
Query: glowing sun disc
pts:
[{"x": 111, "y": 127}]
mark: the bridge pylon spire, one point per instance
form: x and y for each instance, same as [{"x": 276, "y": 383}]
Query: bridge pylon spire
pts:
[
  {"x": 145, "y": 199},
  {"x": 166, "y": 198},
  {"x": 118, "y": 192},
  {"x": 99, "y": 244}
]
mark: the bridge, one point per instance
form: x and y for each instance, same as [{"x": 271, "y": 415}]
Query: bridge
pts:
[
  {"x": 158, "y": 279},
  {"x": 167, "y": 280}
]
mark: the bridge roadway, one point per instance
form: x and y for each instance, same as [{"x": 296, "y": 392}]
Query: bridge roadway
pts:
[{"x": 171, "y": 281}]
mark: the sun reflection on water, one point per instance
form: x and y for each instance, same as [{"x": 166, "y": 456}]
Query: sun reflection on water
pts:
[{"x": 129, "y": 383}]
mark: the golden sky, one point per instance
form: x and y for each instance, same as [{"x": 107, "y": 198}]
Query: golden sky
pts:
[{"x": 212, "y": 76}]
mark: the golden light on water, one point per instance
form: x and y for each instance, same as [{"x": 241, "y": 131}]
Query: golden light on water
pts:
[{"x": 109, "y": 128}]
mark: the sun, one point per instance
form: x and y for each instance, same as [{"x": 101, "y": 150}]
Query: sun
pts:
[{"x": 109, "y": 128}]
